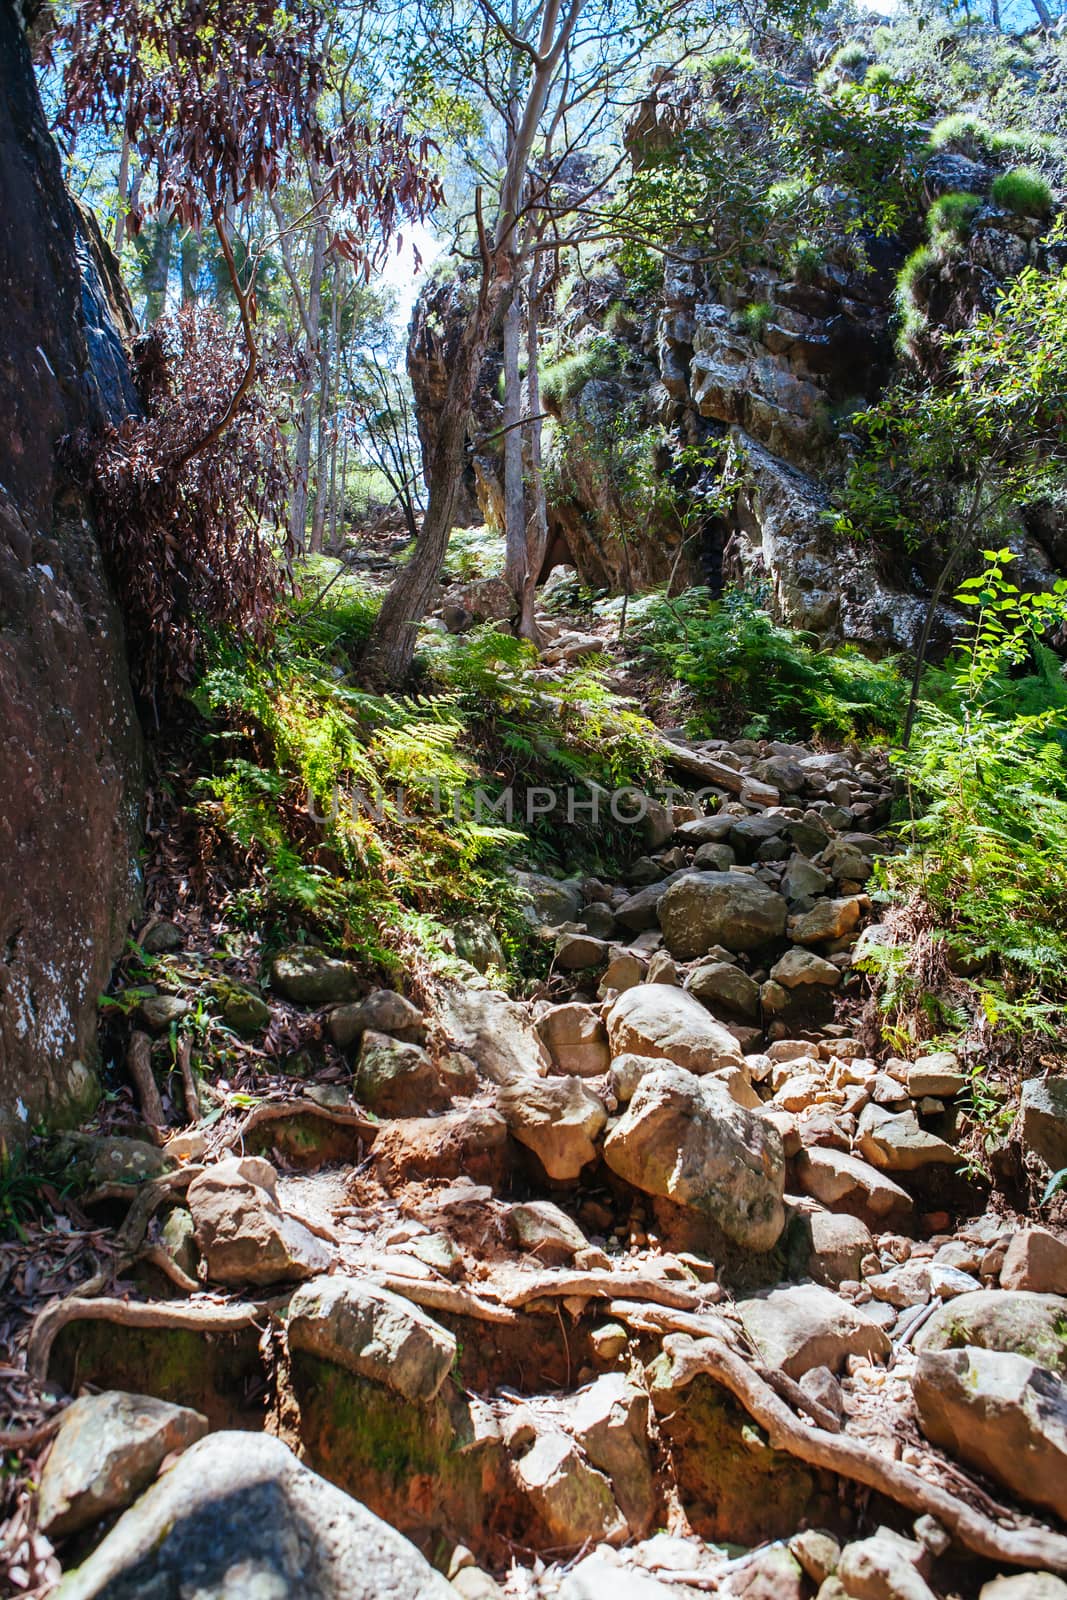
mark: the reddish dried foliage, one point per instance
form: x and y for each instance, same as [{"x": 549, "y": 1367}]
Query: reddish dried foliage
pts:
[{"x": 193, "y": 545}]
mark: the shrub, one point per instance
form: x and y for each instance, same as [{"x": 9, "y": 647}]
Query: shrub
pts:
[
  {"x": 1023, "y": 192},
  {"x": 746, "y": 670},
  {"x": 851, "y": 57},
  {"x": 951, "y": 217},
  {"x": 910, "y": 277},
  {"x": 965, "y": 135},
  {"x": 754, "y": 318},
  {"x": 805, "y": 261},
  {"x": 563, "y": 379},
  {"x": 878, "y": 79},
  {"x": 724, "y": 67}
]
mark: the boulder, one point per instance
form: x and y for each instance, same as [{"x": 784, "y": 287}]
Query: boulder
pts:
[
  {"x": 556, "y": 1118},
  {"x": 1035, "y": 1260},
  {"x": 609, "y": 1418},
  {"x": 734, "y": 909},
  {"x": 158, "y": 1011},
  {"x": 622, "y": 972},
  {"x": 242, "y": 1232},
  {"x": 827, "y": 919},
  {"x": 938, "y": 1075},
  {"x": 549, "y": 901},
  {"x": 883, "y": 1567},
  {"x": 896, "y": 1142},
  {"x": 846, "y": 1183},
  {"x": 544, "y": 1231},
  {"x": 384, "y": 1011},
  {"x": 1000, "y": 1413},
  {"x": 1030, "y": 1325},
  {"x": 683, "y": 1138},
  {"x": 662, "y": 1021},
  {"x": 573, "y": 1499},
  {"x": 373, "y": 1332},
  {"x": 402, "y": 1080},
  {"x": 576, "y": 1038},
  {"x": 1043, "y": 1116},
  {"x": 109, "y": 1447},
  {"x": 237, "y": 1517},
  {"x": 241, "y": 1008},
  {"x": 640, "y": 911},
  {"x": 721, "y": 985},
  {"x": 801, "y": 1326},
  {"x": 470, "y": 1141},
  {"x": 1025, "y": 1586},
  {"x": 838, "y": 1245},
  {"x": 497, "y": 1034},
  {"x": 799, "y": 968},
  {"x": 476, "y": 942},
  {"x": 309, "y": 977},
  {"x": 575, "y": 952}
]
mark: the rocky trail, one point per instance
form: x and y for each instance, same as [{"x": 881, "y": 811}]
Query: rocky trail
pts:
[{"x": 664, "y": 1283}]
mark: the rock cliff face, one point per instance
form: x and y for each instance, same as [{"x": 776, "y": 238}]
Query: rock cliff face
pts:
[{"x": 69, "y": 740}]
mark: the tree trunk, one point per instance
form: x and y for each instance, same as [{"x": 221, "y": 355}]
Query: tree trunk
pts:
[
  {"x": 298, "y": 507},
  {"x": 514, "y": 497},
  {"x": 190, "y": 254},
  {"x": 392, "y": 644},
  {"x": 121, "y": 188},
  {"x": 318, "y": 513},
  {"x": 156, "y": 273},
  {"x": 1044, "y": 15},
  {"x": 537, "y": 527}
]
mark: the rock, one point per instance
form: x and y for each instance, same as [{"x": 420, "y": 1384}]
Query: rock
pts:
[
  {"x": 721, "y": 984},
  {"x": 801, "y": 1326},
  {"x": 158, "y": 1011},
  {"x": 475, "y": 942},
  {"x": 572, "y": 1498},
  {"x": 162, "y": 939},
  {"x": 609, "y": 1419},
  {"x": 546, "y": 1232},
  {"x": 683, "y": 1138},
  {"x": 373, "y": 1332},
  {"x": 577, "y": 951},
  {"x": 821, "y": 1385},
  {"x": 817, "y": 1552},
  {"x": 798, "y": 968},
  {"x": 309, "y": 977},
  {"x": 599, "y": 920},
  {"x": 847, "y": 1184},
  {"x": 621, "y": 972},
  {"x": 470, "y": 1141},
  {"x": 733, "y": 909},
  {"x": 803, "y": 881},
  {"x": 1043, "y": 1115},
  {"x": 241, "y": 1008},
  {"x": 576, "y": 1038},
  {"x": 713, "y": 858},
  {"x": 495, "y": 1032},
  {"x": 658, "y": 1020},
  {"x": 640, "y": 911},
  {"x": 1035, "y": 1260},
  {"x": 838, "y": 1245},
  {"x": 472, "y": 1583},
  {"x": 178, "y": 1238},
  {"x": 828, "y": 919},
  {"x": 239, "y": 1517},
  {"x": 938, "y": 1075},
  {"x": 609, "y": 1341},
  {"x": 1000, "y": 1413},
  {"x": 1025, "y": 1586},
  {"x": 400, "y": 1080},
  {"x": 549, "y": 901},
  {"x": 556, "y": 1118},
  {"x": 109, "y": 1447},
  {"x": 897, "y": 1143},
  {"x": 384, "y": 1011},
  {"x": 594, "y": 1578},
  {"x": 883, "y": 1568},
  {"x": 770, "y": 1574},
  {"x": 242, "y": 1232},
  {"x": 95, "y": 1159},
  {"x": 1031, "y": 1325}
]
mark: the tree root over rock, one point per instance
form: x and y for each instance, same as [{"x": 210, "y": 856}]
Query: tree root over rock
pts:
[
  {"x": 1009, "y": 1540},
  {"x": 192, "y": 1316}
]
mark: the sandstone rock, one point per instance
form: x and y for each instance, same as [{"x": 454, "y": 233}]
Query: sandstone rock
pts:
[
  {"x": 373, "y": 1332},
  {"x": 549, "y": 901},
  {"x": 798, "y": 968},
  {"x": 1036, "y": 1260},
  {"x": 178, "y": 1238},
  {"x": 594, "y": 1578},
  {"x": 660, "y": 1020},
  {"x": 817, "y": 1552},
  {"x": 158, "y": 1011},
  {"x": 109, "y": 1447},
  {"x": 476, "y": 943},
  {"x": 828, "y": 919},
  {"x": 384, "y": 1011},
  {"x": 685, "y": 1139},
  {"x": 729, "y": 908},
  {"x": 573, "y": 1499},
  {"x": 897, "y": 1143},
  {"x": 713, "y": 858},
  {"x": 801, "y": 1326},
  {"x": 576, "y": 1038},
  {"x": 937, "y": 1075},
  {"x": 609, "y": 1419},
  {"x": 1025, "y": 1586},
  {"x": 241, "y": 1008},
  {"x": 495, "y": 1032},
  {"x": 720, "y": 984},
  {"x": 162, "y": 938},
  {"x": 242, "y": 1232},
  {"x": 622, "y": 972},
  {"x": 238, "y": 1516},
  {"x": 838, "y": 1245},
  {"x": 640, "y": 911},
  {"x": 1000, "y": 1413},
  {"x": 577, "y": 951},
  {"x": 848, "y": 1184},
  {"x": 556, "y": 1118},
  {"x": 883, "y": 1568},
  {"x": 1030, "y": 1325},
  {"x": 546, "y": 1232},
  {"x": 470, "y": 1141},
  {"x": 609, "y": 1341},
  {"x": 803, "y": 881},
  {"x": 1043, "y": 1114},
  {"x": 309, "y": 977},
  {"x": 96, "y": 1159},
  {"x": 401, "y": 1080}
]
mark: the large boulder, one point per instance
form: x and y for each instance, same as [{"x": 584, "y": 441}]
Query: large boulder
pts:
[
  {"x": 1037, "y": 1260},
  {"x": 732, "y": 909},
  {"x": 373, "y": 1332},
  {"x": 800, "y": 1326},
  {"x": 558, "y": 1119},
  {"x": 610, "y": 1420},
  {"x": 549, "y": 901},
  {"x": 1043, "y": 1118},
  {"x": 685, "y": 1139},
  {"x": 572, "y": 1499},
  {"x": 239, "y": 1518},
  {"x": 241, "y": 1230},
  {"x": 307, "y": 976},
  {"x": 1000, "y": 1413},
  {"x": 109, "y": 1447},
  {"x": 396, "y": 1079},
  {"x": 661, "y": 1020},
  {"x": 497, "y": 1034},
  {"x": 1031, "y": 1325},
  {"x": 846, "y": 1183},
  {"x": 576, "y": 1037}
]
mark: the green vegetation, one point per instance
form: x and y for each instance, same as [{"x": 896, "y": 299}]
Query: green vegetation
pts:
[
  {"x": 749, "y": 673},
  {"x": 1024, "y": 192},
  {"x": 563, "y": 379},
  {"x": 950, "y": 218},
  {"x": 754, "y": 318},
  {"x": 964, "y": 135},
  {"x": 805, "y": 261}
]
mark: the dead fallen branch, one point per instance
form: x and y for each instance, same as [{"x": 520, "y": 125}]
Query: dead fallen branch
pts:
[
  {"x": 185, "y": 1067},
  {"x": 139, "y": 1066},
  {"x": 1009, "y": 1539}
]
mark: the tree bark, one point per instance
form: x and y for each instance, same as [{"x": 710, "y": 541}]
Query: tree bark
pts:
[
  {"x": 515, "y": 563},
  {"x": 537, "y": 526},
  {"x": 298, "y": 507}
]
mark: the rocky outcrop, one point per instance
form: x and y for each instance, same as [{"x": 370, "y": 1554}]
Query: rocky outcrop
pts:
[{"x": 69, "y": 742}]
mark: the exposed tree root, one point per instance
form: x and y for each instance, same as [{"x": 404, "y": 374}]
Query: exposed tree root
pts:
[
  {"x": 197, "y": 1317},
  {"x": 276, "y": 1110},
  {"x": 603, "y": 1285},
  {"x": 1010, "y": 1541},
  {"x": 446, "y": 1297},
  {"x": 156, "y": 1256},
  {"x": 139, "y": 1066}
]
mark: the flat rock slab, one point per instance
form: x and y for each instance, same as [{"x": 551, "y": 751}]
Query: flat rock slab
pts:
[
  {"x": 802, "y": 1326},
  {"x": 380, "y": 1335},
  {"x": 1031, "y": 1325},
  {"x": 239, "y": 1518},
  {"x": 109, "y": 1447}
]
